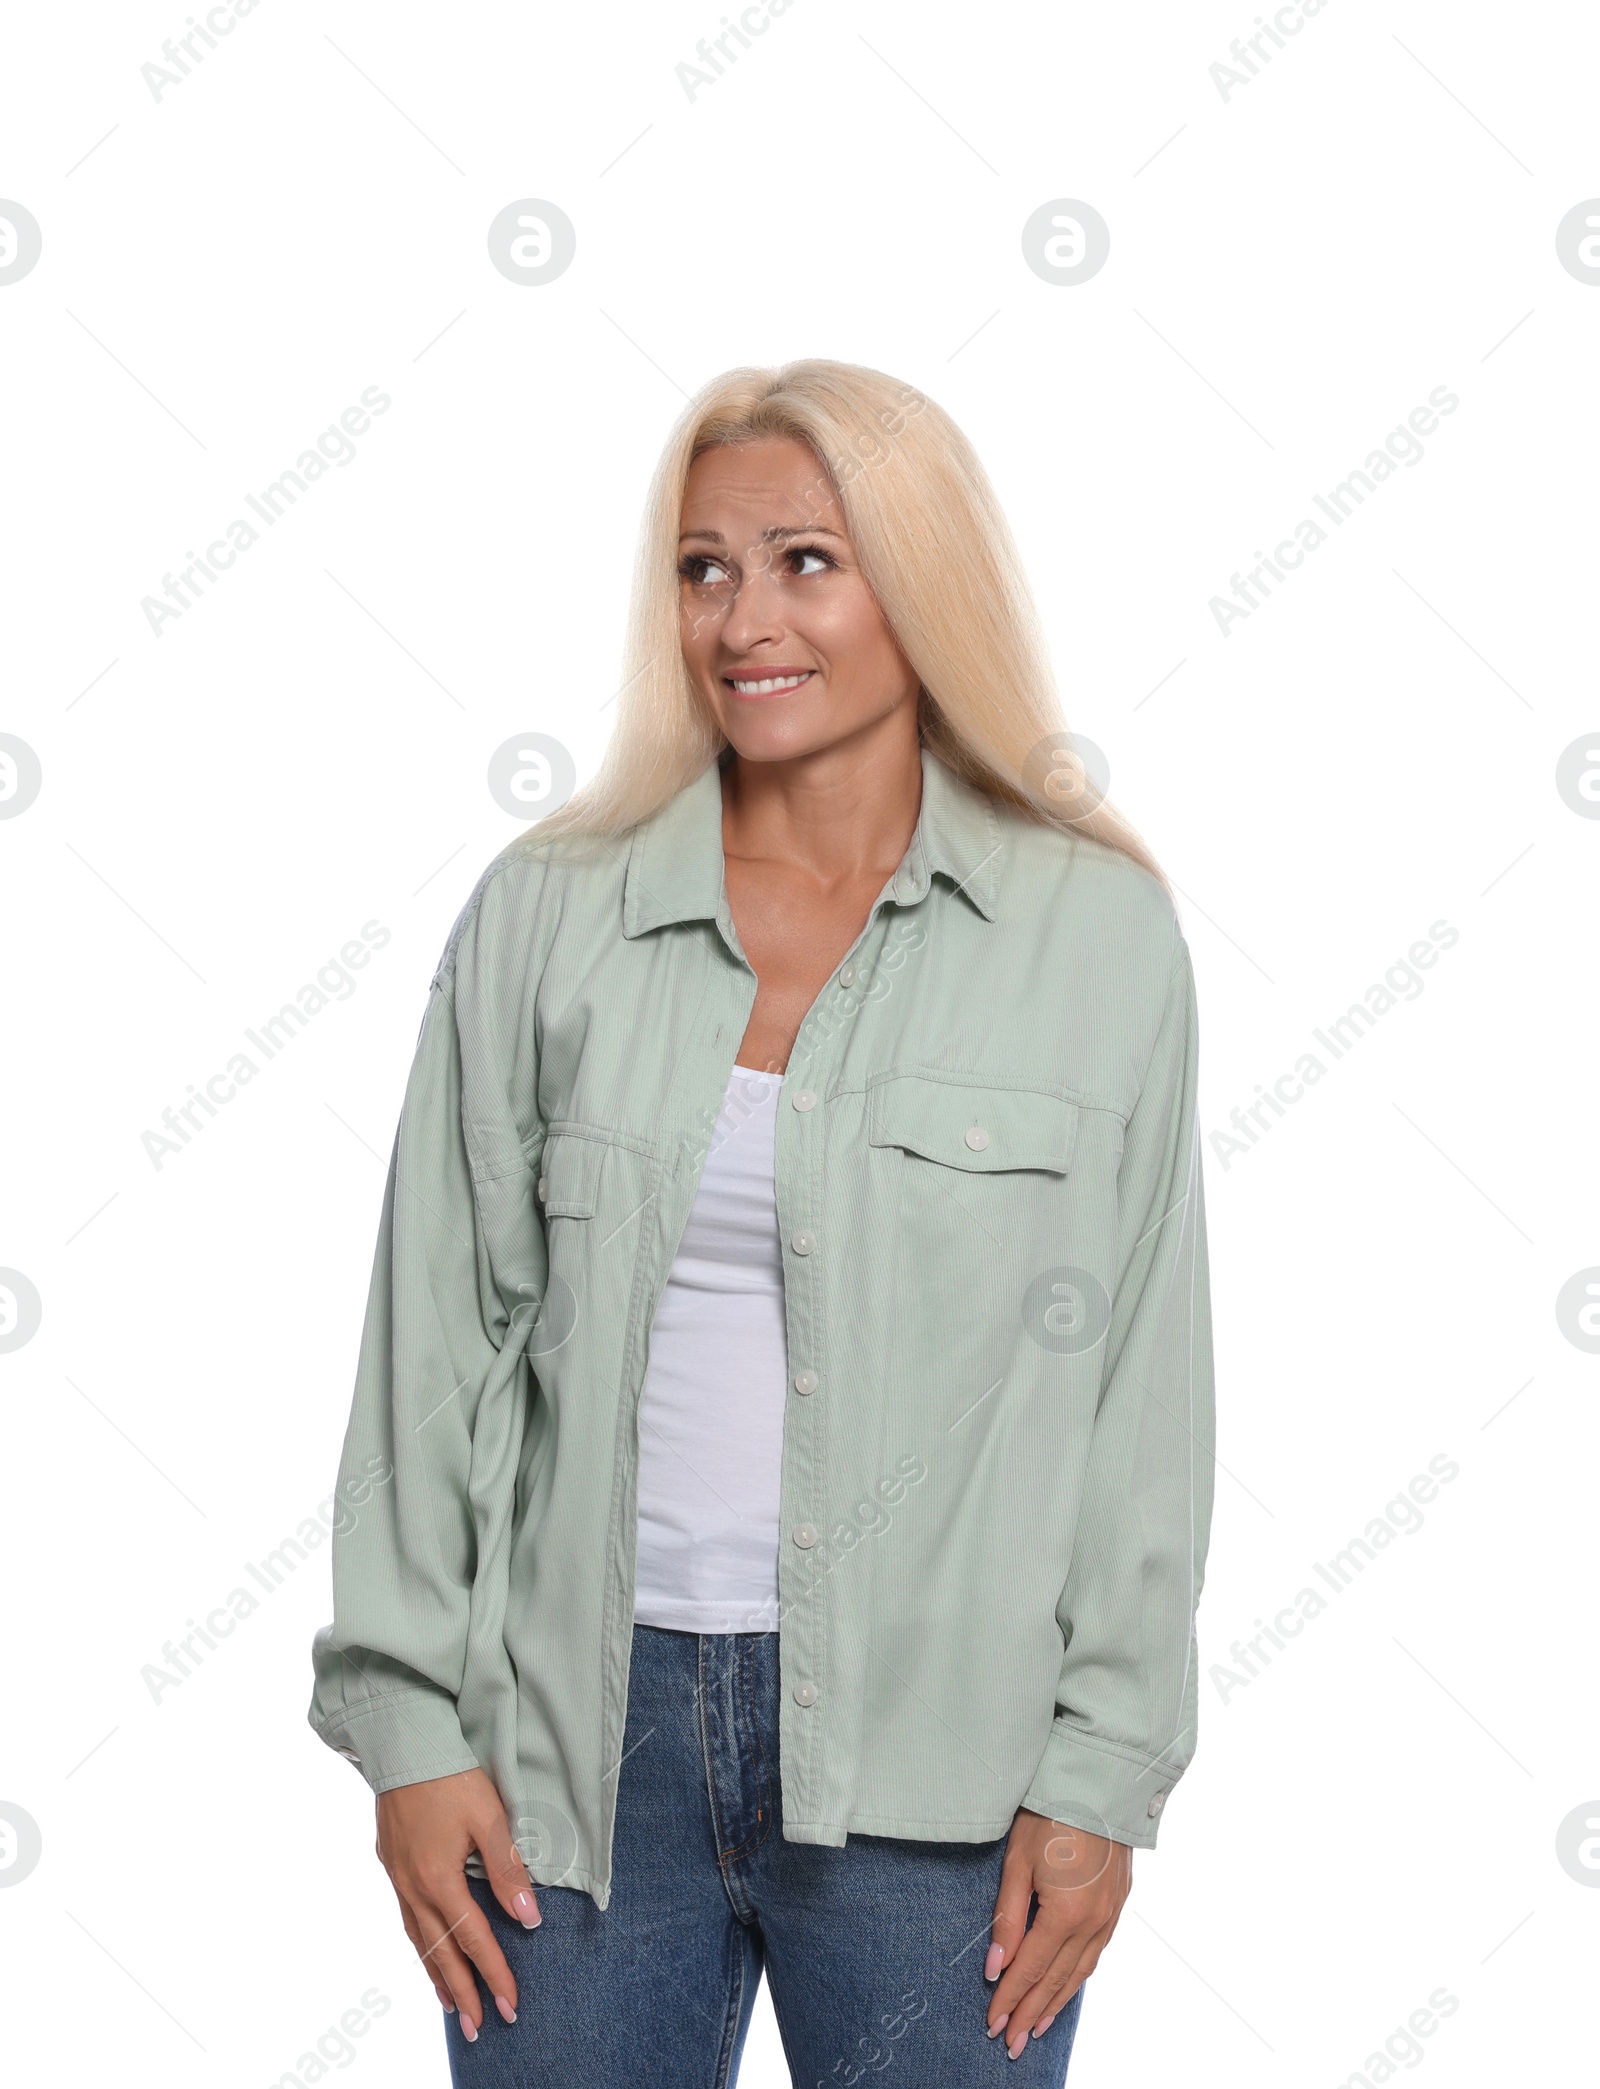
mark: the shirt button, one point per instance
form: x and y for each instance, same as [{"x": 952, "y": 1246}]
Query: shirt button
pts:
[
  {"x": 805, "y": 1536},
  {"x": 1156, "y": 1804},
  {"x": 803, "y": 1243},
  {"x": 805, "y": 1693},
  {"x": 804, "y": 1099},
  {"x": 805, "y": 1381},
  {"x": 977, "y": 1137},
  {"x": 544, "y": 1184},
  {"x": 847, "y": 976}
]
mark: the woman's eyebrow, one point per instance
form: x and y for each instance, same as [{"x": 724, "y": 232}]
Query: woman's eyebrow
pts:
[{"x": 775, "y": 535}]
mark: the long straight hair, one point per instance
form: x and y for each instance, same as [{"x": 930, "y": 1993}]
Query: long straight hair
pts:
[{"x": 939, "y": 556}]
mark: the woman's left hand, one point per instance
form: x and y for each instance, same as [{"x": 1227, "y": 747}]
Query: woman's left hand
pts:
[{"x": 1082, "y": 1881}]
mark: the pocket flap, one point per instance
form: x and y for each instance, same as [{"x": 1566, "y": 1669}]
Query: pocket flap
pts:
[
  {"x": 984, "y": 1130},
  {"x": 569, "y": 1175}
]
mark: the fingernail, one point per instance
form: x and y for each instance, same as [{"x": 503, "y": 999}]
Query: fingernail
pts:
[
  {"x": 505, "y": 2009},
  {"x": 469, "y": 2030},
  {"x": 527, "y": 1910},
  {"x": 445, "y": 2002},
  {"x": 995, "y": 1960},
  {"x": 1042, "y": 2026},
  {"x": 1015, "y": 2052},
  {"x": 996, "y": 2028}
]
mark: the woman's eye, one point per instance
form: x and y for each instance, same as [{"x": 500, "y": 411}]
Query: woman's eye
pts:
[
  {"x": 703, "y": 572},
  {"x": 803, "y": 552}
]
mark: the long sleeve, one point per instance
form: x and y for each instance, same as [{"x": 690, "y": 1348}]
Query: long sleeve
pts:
[
  {"x": 1125, "y": 1721},
  {"x": 389, "y": 1668}
]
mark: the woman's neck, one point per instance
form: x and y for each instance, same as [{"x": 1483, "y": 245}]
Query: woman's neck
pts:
[{"x": 840, "y": 811}]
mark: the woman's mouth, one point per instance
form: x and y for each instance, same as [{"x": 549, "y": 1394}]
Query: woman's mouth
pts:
[{"x": 778, "y": 683}]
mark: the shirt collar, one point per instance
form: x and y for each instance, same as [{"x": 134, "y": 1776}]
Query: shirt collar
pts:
[{"x": 675, "y": 867}]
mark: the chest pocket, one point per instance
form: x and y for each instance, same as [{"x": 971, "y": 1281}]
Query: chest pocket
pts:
[
  {"x": 569, "y": 1175},
  {"x": 981, "y": 1130}
]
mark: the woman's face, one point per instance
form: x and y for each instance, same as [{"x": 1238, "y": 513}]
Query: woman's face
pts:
[{"x": 781, "y": 633}]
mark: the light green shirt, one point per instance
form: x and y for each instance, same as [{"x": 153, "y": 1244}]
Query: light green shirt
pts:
[{"x": 997, "y": 1446}]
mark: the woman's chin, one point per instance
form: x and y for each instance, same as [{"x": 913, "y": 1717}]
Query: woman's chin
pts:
[{"x": 774, "y": 736}]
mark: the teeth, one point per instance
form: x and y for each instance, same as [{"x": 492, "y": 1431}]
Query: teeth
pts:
[{"x": 772, "y": 684}]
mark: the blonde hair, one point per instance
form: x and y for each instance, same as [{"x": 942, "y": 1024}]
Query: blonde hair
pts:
[{"x": 938, "y": 554}]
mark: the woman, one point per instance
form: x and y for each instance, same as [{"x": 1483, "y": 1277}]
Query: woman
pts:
[{"x": 779, "y": 1454}]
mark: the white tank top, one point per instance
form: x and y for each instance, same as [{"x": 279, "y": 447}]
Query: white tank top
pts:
[{"x": 711, "y": 1412}]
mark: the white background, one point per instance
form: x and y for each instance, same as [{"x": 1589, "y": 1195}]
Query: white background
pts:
[{"x": 1292, "y": 270}]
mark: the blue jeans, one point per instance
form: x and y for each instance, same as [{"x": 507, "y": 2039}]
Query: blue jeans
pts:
[{"x": 873, "y": 1953}]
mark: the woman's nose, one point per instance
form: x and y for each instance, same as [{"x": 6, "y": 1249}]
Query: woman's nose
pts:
[{"x": 755, "y": 614}]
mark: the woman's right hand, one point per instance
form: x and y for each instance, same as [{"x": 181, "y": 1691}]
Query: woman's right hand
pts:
[{"x": 424, "y": 1834}]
